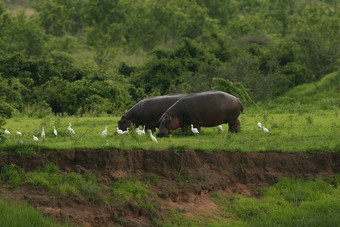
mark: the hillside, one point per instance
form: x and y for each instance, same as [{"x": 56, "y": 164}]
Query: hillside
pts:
[{"x": 326, "y": 88}]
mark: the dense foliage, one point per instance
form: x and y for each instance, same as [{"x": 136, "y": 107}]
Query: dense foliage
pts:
[{"x": 91, "y": 56}]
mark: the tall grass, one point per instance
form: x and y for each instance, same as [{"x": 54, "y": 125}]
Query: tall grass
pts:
[
  {"x": 128, "y": 190},
  {"x": 83, "y": 186},
  {"x": 291, "y": 202},
  {"x": 325, "y": 89},
  {"x": 13, "y": 175},
  {"x": 21, "y": 214}
]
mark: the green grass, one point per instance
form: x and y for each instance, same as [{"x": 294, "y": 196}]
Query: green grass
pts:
[
  {"x": 49, "y": 176},
  {"x": 128, "y": 190},
  {"x": 305, "y": 119},
  {"x": 13, "y": 175},
  {"x": 291, "y": 202},
  {"x": 85, "y": 187},
  {"x": 22, "y": 214},
  {"x": 326, "y": 89},
  {"x": 293, "y": 128}
]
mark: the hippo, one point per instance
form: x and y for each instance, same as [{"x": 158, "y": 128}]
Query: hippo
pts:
[
  {"x": 207, "y": 109},
  {"x": 147, "y": 112}
]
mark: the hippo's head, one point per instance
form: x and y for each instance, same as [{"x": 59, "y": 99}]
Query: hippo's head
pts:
[
  {"x": 167, "y": 123},
  {"x": 124, "y": 123}
]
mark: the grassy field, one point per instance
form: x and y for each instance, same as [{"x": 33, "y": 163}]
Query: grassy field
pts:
[
  {"x": 306, "y": 119},
  {"x": 293, "y": 130}
]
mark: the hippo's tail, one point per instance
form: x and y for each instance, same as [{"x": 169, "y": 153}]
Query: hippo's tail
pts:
[{"x": 241, "y": 108}]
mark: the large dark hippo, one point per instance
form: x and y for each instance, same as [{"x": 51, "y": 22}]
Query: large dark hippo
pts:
[
  {"x": 148, "y": 111},
  {"x": 205, "y": 109}
]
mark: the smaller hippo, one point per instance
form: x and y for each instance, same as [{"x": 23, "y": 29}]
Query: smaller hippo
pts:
[
  {"x": 207, "y": 109},
  {"x": 147, "y": 112}
]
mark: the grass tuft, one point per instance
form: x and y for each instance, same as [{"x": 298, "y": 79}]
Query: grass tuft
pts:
[
  {"x": 22, "y": 214},
  {"x": 85, "y": 187},
  {"x": 13, "y": 175},
  {"x": 291, "y": 202},
  {"x": 129, "y": 190}
]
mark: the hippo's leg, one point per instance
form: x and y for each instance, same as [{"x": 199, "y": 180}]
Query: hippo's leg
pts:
[
  {"x": 238, "y": 126},
  {"x": 232, "y": 125},
  {"x": 199, "y": 130}
]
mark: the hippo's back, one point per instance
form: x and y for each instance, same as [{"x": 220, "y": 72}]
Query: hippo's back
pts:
[
  {"x": 152, "y": 108},
  {"x": 208, "y": 108}
]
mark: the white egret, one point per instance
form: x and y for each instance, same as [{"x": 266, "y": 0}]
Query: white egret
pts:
[
  {"x": 104, "y": 133},
  {"x": 70, "y": 129},
  {"x": 265, "y": 130},
  {"x": 194, "y": 130},
  {"x": 140, "y": 132},
  {"x": 35, "y": 138},
  {"x": 259, "y": 125},
  {"x": 220, "y": 128},
  {"x": 55, "y": 131},
  {"x": 7, "y": 132},
  {"x": 19, "y": 133},
  {"x": 153, "y": 138},
  {"x": 43, "y": 133},
  {"x": 119, "y": 131}
]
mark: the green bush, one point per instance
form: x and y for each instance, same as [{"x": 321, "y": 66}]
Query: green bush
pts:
[
  {"x": 48, "y": 176},
  {"x": 169, "y": 70},
  {"x": 13, "y": 175},
  {"x": 22, "y": 214},
  {"x": 236, "y": 89},
  {"x": 128, "y": 190},
  {"x": 85, "y": 187},
  {"x": 2, "y": 122},
  {"x": 67, "y": 54},
  {"x": 5, "y": 110}
]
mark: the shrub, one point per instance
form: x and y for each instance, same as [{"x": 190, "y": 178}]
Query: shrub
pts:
[
  {"x": 2, "y": 122},
  {"x": 48, "y": 176},
  {"x": 5, "y": 109},
  {"x": 236, "y": 89},
  {"x": 127, "y": 190},
  {"x": 22, "y": 214},
  {"x": 13, "y": 175}
]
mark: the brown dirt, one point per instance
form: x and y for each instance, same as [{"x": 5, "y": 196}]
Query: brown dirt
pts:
[{"x": 185, "y": 180}]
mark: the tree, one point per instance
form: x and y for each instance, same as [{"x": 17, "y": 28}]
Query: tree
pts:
[
  {"x": 22, "y": 34},
  {"x": 60, "y": 17},
  {"x": 236, "y": 89}
]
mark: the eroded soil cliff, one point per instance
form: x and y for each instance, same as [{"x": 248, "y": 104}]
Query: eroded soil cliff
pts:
[{"x": 185, "y": 179}]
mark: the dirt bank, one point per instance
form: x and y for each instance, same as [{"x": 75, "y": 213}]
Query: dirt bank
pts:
[{"x": 185, "y": 178}]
